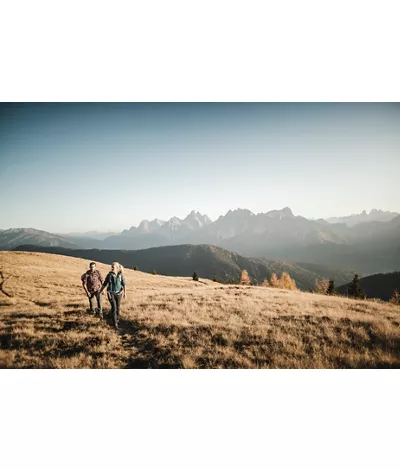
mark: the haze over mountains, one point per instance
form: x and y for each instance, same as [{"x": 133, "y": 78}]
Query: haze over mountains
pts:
[
  {"x": 375, "y": 215},
  {"x": 369, "y": 246}
]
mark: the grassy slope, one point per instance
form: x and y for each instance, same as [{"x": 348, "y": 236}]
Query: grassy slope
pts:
[{"x": 176, "y": 322}]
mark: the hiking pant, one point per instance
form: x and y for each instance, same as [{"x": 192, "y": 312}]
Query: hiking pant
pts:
[
  {"x": 95, "y": 295},
  {"x": 115, "y": 301}
]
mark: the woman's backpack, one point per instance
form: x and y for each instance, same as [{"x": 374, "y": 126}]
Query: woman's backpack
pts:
[{"x": 115, "y": 282}]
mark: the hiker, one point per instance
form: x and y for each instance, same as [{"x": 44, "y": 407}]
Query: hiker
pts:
[
  {"x": 92, "y": 281},
  {"x": 116, "y": 289}
]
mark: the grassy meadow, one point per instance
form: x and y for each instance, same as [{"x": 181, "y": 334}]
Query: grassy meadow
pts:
[{"x": 175, "y": 322}]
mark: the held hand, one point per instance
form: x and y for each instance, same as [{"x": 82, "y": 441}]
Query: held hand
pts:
[
  {"x": 124, "y": 296},
  {"x": 87, "y": 293}
]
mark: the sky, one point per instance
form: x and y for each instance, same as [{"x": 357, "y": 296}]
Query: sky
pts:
[{"x": 67, "y": 167}]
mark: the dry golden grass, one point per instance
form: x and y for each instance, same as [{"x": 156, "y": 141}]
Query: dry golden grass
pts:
[{"x": 177, "y": 322}]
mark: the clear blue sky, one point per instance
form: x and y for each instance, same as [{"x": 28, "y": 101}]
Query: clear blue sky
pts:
[{"x": 104, "y": 166}]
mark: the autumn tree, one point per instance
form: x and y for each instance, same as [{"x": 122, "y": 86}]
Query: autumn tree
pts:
[
  {"x": 273, "y": 282},
  {"x": 245, "y": 278},
  {"x": 321, "y": 286},
  {"x": 286, "y": 282}
]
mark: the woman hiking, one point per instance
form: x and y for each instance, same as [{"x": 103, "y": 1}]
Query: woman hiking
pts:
[{"x": 116, "y": 288}]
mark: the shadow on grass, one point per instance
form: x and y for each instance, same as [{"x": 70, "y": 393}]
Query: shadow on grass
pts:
[{"x": 146, "y": 352}]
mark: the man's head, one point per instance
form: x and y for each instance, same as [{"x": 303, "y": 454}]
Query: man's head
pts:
[{"x": 92, "y": 266}]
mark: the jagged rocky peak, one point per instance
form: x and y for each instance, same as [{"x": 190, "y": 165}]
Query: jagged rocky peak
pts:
[
  {"x": 285, "y": 212},
  {"x": 197, "y": 219},
  {"x": 239, "y": 212}
]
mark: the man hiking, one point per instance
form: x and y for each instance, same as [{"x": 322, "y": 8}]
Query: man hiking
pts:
[
  {"x": 92, "y": 281},
  {"x": 116, "y": 288}
]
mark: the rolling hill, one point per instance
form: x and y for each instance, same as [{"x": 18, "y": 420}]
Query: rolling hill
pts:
[
  {"x": 208, "y": 261},
  {"x": 175, "y": 322},
  {"x": 377, "y": 286}
]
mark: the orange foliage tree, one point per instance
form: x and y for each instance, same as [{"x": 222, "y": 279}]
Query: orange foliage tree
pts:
[
  {"x": 245, "y": 278},
  {"x": 321, "y": 286},
  {"x": 285, "y": 281}
]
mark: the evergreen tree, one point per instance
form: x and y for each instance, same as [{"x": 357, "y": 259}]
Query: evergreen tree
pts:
[
  {"x": 331, "y": 287},
  {"x": 154, "y": 271},
  {"x": 354, "y": 290},
  {"x": 135, "y": 268},
  {"x": 195, "y": 276}
]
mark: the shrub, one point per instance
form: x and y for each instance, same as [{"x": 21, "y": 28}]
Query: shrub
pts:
[
  {"x": 154, "y": 271},
  {"x": 195, "y": 276},
  {"x": 265, "y": 283},
  {"x": 395, "y": 299},
  {"x": 135, "y": 268}
]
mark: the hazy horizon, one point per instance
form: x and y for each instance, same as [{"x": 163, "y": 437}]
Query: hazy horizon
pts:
[
  {"x": 127, "y": 226},
  {"x": 77, "y": 167}
]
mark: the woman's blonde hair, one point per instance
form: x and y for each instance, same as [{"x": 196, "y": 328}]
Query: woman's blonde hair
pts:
[{"x": 120, "y": 268}]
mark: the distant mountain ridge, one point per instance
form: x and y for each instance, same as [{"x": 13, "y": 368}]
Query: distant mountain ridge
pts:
[
  {"x": 366, "y": 247},
  {"x": 375, "y": 215},
  {"x": 208, "y": 261},
  {"x": 13, "y": 237},
  {"x": 94, "y": 234}
]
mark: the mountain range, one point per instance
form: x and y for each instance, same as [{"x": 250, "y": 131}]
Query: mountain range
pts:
[
  {"x": 367, "y": 247},
  {"x": 375, "y": 215}
]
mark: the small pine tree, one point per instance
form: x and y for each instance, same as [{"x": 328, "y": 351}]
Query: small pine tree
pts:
[
  {"x": 331, "y": 288},
  {"x": 154, "y": 271},
  {"x": 195, "y": 276},
  {"x": 245, "y": 278},
  {"x": 354, "y": 290},
  {"x": 215, "y": 279},
  {"x": 135, "y": 268}
]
